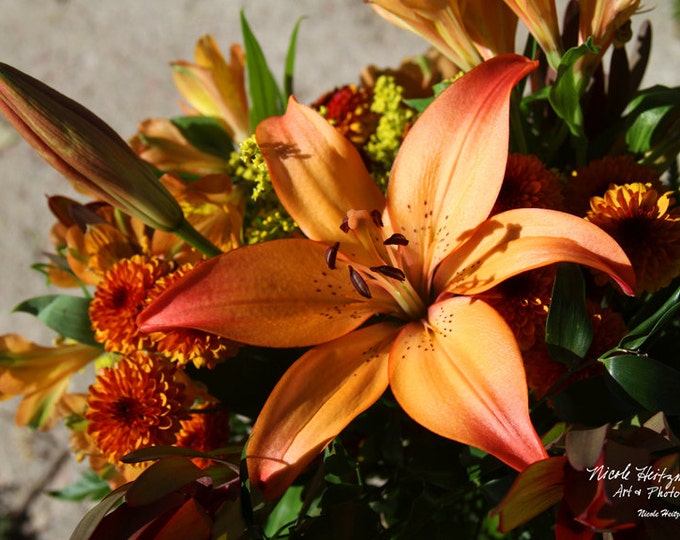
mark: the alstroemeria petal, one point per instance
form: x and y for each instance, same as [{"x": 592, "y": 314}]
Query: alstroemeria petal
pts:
[
  {"x": 449, "y": 170},
  {"x": 526, "y": 238},
  {"x": 460, "y": 375},
  {"x": 318, "y": 175},
  {"x": 306, "y": 411},
  {"x": 274, "y": 294}
]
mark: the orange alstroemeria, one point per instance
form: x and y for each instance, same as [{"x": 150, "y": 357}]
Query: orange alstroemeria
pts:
[
  {"x": 40, "y": 374},
  {"x": 465, "y": 31},
  {"x": 215, "y": 87},
  {"x": 418, "y": 257}
]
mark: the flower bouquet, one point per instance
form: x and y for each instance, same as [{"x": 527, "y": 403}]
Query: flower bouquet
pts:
[{"x": 441, "y": 302}]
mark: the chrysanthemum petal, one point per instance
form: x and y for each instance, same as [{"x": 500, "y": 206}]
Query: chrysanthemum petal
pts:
[
  {"x": 317, "y": 173},
  {"x": 274, "y": 294},
  {"x": 454, "y": 154},
  {"x": 300, "y": 419},
  {"x": 526, "y": 238},
  {"x": 461, "y": 376}
]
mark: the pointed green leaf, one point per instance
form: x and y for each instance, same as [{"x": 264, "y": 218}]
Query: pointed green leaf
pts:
[
  {"x": 67, "y": 315},
  {"x": 162, "y": 478},
  {"x": 569, "y": 332},
  {"x": 651, "y": 383},
  {"x": 289, "y": 68},
  {"x": 205, "y": 133},
  {"x": 646, "y": 114},
  {"x": 91, "y": 520},
  {"x": 638, "y": 336},
  {"x": 265, "y": 97},
  {"x": 565, "y": 93},
  {"x": 90, "y": 486}
]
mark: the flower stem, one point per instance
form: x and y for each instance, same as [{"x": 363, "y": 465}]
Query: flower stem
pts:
[{"x": 191, "y": 236}]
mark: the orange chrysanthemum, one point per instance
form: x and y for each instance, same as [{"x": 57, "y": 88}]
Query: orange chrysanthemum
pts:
[
  {"x": 596, "y": 177},
  {"x": 207, "y": 429},
  {"x": 647, "y": 226},
  {"x": 523, "y": 301},
  {"x": 528, "y": 183},
  {"x": 348, "y": 108},
  {"x": 184, "y": 345},
  {"x": 120, "y": 298},
  {"x": 543, "y": 372},
  {"x": 137, "y": 403}
]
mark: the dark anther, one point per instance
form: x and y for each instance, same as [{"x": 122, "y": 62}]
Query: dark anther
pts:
[
  {"x": 396, "y": 240},
  {"x": 359, "y": 284},
  {"x": 376, "y": 216},
  {"x": 390, "y": 271},
  {"x": 331, "y": 254},
  {"x": 344, "y": 226}
]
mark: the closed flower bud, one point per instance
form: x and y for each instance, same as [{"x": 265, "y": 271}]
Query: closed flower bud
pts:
[{"x": 85, "y": 150}]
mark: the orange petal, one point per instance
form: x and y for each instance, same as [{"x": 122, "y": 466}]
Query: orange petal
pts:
[
  {"x": 315, "y": 399},
  {"x": 275, "y": 294},
  {"x": 449, "y": 170},
  {"x": 318, "y": 175},
  {"x": 526, "y": 238},
  {"x": 460, "y": 375}
]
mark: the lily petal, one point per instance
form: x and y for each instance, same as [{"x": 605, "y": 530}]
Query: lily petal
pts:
[
  {"x": 454, "y": 154},
  {"x": 300, "y": 419},
  {"x": 274, "y": 294},
  {"x": 518, "y": 240},
  {"x": 465, "y": 360},
  {"x": 317, "y": 173}
]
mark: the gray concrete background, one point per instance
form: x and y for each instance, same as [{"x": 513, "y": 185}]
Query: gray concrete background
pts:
[{"x": 113, "y": 57}]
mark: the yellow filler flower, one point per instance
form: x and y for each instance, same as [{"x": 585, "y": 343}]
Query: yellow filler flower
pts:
[{"x": 419, "y": 258}]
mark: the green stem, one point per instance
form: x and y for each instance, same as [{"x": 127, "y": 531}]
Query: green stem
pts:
[{"x": 195, "y": 239}]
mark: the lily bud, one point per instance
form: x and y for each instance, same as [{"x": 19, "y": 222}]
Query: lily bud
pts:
[{"x": 86, "y": 150}]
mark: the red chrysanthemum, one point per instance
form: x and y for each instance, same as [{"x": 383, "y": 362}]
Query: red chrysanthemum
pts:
[
  {"x": 528, "y": 183},
  {"x": 118, "y": 300},
  {"x": 207, "y": 429},
  {"x": 139, "y": 402},
  {"x": 348, "y": 108}
]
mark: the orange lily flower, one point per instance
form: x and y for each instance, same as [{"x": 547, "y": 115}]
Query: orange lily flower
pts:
[
  {"x": 418, "y": 258},
  {"x": 465, "y": 31},
  {"x": 40, "y": 374},
  {"x": 216, "y": 88}
]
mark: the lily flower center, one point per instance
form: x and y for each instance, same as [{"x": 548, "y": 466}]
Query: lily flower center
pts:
[{"x": 380, "y": 265}]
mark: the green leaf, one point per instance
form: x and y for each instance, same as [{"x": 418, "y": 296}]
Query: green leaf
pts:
[
  {"x": 91, "y": 520},
  {"x": 285, "y": 512},
  {"x": 638, "y": 336},
  {"x": 289, "y": 68},
  {"x": 205, "y": 133},
  {"x": 651, "y": 383},
  {"x": 90, "y": 486},
  {"x": 565, "y": 93},
  {"x": 163, "y": 477},
  {"x": 67, "y": 315},
  {"x": 265, "y": 97},
  {"x": 646, "y": 112},
  {"x": 569, "y": 332}
]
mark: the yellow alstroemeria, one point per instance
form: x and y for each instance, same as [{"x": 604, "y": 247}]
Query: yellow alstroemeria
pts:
[
  {"x": 601, "y": 19},
  {"x": 214, "y": 87},
  {"x": 40, "y": 374},
  {"x": 540, "y": 17},
  {"x": 465, "y": 31},
  {"x": 418, "y": 258}
]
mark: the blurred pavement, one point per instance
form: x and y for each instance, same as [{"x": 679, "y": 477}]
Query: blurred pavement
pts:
[{"x": 113, "y": 57}]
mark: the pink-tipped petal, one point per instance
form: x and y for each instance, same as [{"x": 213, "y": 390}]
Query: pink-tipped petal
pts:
[
  {"x": 460, "y": 375},
  {"x": 450, "y": 167},
  {"x": 274, "y": 294}
]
